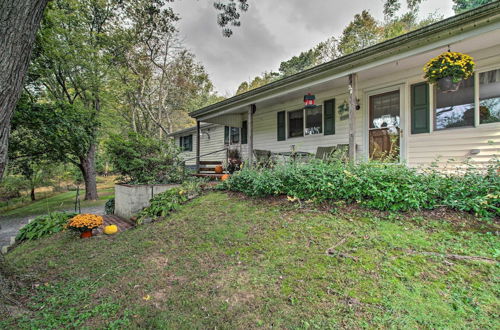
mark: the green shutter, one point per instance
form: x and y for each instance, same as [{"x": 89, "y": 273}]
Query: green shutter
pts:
[
  {"x": 329, "y": 117},
  {"x": 190, "y": 143},
  {"x": 180, "y": 143},
  {"x": 244, "y": 132},
  {"x": 281, "y": 126},
  {"x": 226, "y": 134},
  {"x": 420, "y": 108}
]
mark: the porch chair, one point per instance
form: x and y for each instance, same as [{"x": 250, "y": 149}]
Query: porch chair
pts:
[
  {"x": 342, "y": 152},
  {"x": 324, "y": 153},
  {"x": 263, "y": 157}
]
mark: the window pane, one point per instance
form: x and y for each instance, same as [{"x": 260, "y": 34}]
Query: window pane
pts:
[
  {"x": 235, "y": 135},
  {"x": 295, "y": 123},
  {"x": 489, "y": 96},
  {"x": 455, "y": 109},
  {"x": 314, "y": 121},
  {"x": 384, "y": 110}
]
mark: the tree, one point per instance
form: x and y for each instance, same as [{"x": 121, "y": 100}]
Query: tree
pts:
[
  {"x": 158, "y": 80},
  {"x": 258, "y": 81},
  {"x": 362, "y": 32},
  {"x": 20, "y": 21},
  {"x": 53, "y": 132},
  {"x": 464, "y": 5},
  {"x": 230, "y": 14}
]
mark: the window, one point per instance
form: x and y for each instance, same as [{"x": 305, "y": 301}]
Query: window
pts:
[
  {"x": 314, "y": 121},
  {"x": 489, "y": 97},
  {"x": 235, "y": 135},
  {"x": 296, "y": 123},
  {"x": 186, "y": 143},
  {"x": 231, "y": 135},
  {"x": 384, "y": 110},
  {"x": 455, "y": 109}
]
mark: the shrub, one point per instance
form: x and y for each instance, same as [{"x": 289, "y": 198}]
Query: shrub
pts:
[
  {"x": 44, "y": 225},
  {"x": 164, "y": 203},
  {"x": 11, "y": 186},
  {"x": 379, "y": 186},
  {"x": 142, "y": 160},
  {"x": 109, "y": 207}
]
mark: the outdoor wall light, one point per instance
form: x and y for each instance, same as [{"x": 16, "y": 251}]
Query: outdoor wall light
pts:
[{"x": 309, "y": 100}]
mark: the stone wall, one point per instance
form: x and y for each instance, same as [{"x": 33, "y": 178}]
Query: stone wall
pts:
[{"x": 130, "y": 199}]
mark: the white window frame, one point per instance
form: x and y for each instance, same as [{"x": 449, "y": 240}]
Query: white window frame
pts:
[{"x": 477, "y": 96}]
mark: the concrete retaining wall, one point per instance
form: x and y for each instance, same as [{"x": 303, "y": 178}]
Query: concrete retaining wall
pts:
[{"x": 130, "y": 199}]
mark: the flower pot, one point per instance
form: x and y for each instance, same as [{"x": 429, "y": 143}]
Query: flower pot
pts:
[
  {"x": 86, "y": 234},
  {"x": 446, "y": 85}
]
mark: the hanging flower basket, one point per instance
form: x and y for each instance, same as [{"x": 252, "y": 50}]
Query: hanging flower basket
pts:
[
  {"x": 447, "y": 85},
  {"x": 448, "y": 70}
]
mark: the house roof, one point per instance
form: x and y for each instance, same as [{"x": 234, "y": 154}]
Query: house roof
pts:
[
  {"x": 190, "y": 129},
  {"x": 401, "y": 43}
]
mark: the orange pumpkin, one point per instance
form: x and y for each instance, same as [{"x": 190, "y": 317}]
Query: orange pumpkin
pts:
[
  {"x": 218, "y": 169},
  {"x": 225, "y": 177}
]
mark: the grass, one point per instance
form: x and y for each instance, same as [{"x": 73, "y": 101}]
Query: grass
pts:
[
  {"x": 227, "y": 262},
  {"x": 59, "y": 201}
]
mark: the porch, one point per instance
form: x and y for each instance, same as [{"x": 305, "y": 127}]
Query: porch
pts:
[{"x": 375, "y": 101}]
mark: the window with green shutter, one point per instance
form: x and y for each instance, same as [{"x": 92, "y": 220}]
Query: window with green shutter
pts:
[
  {"x": 186, "y": 143},
  {"x": 281, "y": 126},
  {"x": 329, "y": 117},
  {"x": 420, "y": 108},
  {"x": 244, "y": 132}
]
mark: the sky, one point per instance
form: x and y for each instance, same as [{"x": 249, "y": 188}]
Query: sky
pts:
[{"x": 271, "y": 31}]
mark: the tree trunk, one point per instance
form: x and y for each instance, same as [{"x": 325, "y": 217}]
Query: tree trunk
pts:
[
  {"x": 87, "y": 166},
  {"x": 19, "y": 22},
  {"x": 32, "y": 194}
]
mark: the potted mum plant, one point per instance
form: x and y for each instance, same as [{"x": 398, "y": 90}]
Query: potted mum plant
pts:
[
  {"x": 84, "y": 223},
  {"x": 448, "y": 70}
]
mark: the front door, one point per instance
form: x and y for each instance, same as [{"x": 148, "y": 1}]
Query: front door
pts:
[{"x": 384, "y": 126}]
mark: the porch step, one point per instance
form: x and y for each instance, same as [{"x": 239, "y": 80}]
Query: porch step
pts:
[
  {"x": 207, "y": 169},
  {"x": 210, "y": 162},
  {"x": 208, "y": 175}
]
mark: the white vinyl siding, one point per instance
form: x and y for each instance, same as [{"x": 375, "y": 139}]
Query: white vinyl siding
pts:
[{"x": 216, "y": 142}]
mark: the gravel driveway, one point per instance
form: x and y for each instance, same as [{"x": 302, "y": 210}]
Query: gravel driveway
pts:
[{"x": 10, "y": 226}]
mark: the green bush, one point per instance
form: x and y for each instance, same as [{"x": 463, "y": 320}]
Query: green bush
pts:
[
  {"x": 164, "y": 203},
  {"x": 44, "y": 225},
  {"x": 109, "y": 207},
  {"x": 142, "y": 160},
  {"x": 379, "y": 186},
  {"x": 11, "y": 186}
]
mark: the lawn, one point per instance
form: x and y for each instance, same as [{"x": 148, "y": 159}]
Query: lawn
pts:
[
  {"x": 229, "y": 262},
  {"x": 59, "y": 201}
]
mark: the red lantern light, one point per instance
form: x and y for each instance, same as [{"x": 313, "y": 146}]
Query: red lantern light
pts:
[{"x": 309, "y": 101}]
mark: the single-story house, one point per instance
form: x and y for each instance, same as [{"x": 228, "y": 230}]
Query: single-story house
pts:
[{"x": 376, "y": 100}]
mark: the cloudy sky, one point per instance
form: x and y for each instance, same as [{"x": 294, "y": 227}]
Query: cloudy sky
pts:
[{"x": 271, "y": 31}]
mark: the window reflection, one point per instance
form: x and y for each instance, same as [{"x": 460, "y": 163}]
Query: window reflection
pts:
[
  {"x": 489, "y": 96},
  {"x": 455, "y": 109}
]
